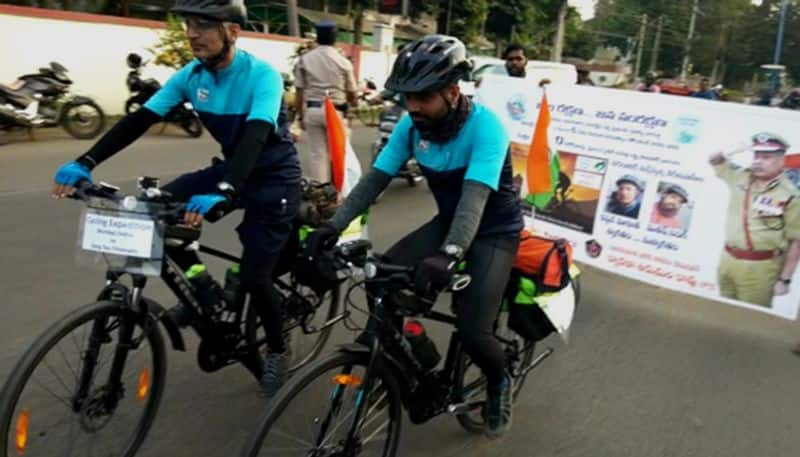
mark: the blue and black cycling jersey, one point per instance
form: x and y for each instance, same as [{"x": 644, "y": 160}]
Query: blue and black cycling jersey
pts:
[
  {"x": 480, "y": 152},
  {"x": 246, "y": 90}
]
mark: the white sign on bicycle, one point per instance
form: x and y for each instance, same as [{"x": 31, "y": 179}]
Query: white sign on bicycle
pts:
[{"x": 118, "y": 235}]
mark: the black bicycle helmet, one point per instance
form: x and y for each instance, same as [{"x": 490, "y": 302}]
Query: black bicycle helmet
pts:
[
  {"x": 429, "y": 63},
  {"x": 218, "y": 10}
]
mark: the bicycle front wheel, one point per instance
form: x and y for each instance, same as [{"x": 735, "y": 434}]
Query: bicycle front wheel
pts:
[
  {"x": 61, "y": 398},
  {"x": 314, "y": 412}
]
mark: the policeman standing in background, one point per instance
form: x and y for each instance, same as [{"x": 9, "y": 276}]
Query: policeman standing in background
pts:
[
  {"x": 762, "y": 230},
  {"x": 322, "y": 72}
]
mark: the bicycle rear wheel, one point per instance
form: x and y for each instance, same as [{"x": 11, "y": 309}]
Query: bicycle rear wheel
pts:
[
  {"x": 471, "y": 383},
  {"x": 313, "y": 413},
  {"x": 304, "y": 304},
  {"x": 60, "y": 400}
]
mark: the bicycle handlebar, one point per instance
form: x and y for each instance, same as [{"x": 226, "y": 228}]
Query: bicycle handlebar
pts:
[
  {"x": 356, "y": 253},
  {"x": 164, "y": 208}
]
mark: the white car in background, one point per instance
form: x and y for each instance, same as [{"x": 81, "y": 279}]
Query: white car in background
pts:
[{"x": 537, "y": 70}]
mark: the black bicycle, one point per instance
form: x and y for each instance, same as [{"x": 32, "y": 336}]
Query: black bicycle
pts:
[
  {"x": 350, "y": 403},
  {"x": 92, "y": 383}
]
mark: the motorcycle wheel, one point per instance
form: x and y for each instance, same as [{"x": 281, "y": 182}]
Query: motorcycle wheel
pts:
[
  {"x": 192, "y": 126},
  {"x": 83, "y": 121}
]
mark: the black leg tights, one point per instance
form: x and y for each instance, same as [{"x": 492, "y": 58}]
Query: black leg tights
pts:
[{"x": 256, "y": 273}]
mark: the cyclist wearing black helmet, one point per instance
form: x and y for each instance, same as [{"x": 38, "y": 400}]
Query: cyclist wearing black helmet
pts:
[
  {"x": 238, "y": 98},
  {"x": 463, "y": 151}
]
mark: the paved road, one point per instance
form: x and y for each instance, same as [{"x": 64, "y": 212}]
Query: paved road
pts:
[{"x": 647, "y": 372}]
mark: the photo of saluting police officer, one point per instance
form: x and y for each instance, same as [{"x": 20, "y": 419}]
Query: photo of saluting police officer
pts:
[{"x": 762, "y": 228}]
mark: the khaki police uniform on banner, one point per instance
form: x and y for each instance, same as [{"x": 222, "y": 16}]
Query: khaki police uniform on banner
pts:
[
  {"x": 758, "y": 229},
  {"x": 320, "y": 72}
]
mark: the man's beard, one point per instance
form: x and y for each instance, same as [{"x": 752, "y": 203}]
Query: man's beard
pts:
[
  {"x": 669, "y": 212},
  {"x": 517, "y": 72},
  {"x": 423, "y": 122},
  {"x": 446, "y": 127}
]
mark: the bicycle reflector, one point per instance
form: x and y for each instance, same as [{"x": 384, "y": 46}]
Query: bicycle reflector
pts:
[
  {"x": 413, "y": 328},
  {"x": 144, "y": 384},
  {"x": 21, "y": 435},
  {"x": 347, "y": 380}
]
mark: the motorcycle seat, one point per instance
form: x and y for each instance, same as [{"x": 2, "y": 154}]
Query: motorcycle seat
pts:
[
  {"x": 15, "y": 95},
  {"x": 15, "y": 86}
]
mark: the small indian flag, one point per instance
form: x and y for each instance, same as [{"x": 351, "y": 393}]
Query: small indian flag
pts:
[
  {"x": 538, "y": 165},
  {"x": 542, "y": 167},
  {"x": 345, "y": 168}
]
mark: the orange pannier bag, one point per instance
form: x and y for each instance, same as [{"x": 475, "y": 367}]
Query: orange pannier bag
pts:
[{"x": 544, "y": 260}]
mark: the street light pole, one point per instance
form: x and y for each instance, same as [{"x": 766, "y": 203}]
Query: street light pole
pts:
[
  {"x": 779, "y": 40},
  {"x": 688, "y": 51},
  {"x": 294, "y": 22},
  {"x": 656, "y": 45},
  {"x": 640, "y": 46},
  {"x": 449, "y": 12}
]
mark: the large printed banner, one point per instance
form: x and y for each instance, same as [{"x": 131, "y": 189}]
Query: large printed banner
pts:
[{"x": 637, "y": 194}]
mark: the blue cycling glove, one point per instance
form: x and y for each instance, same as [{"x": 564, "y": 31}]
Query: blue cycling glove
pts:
[
  {"x": 71, "y": 173},
  {"x": 202, "y": 204}
]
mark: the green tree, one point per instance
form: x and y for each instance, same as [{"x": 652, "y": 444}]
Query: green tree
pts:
[
  {"x": 357, "y": 14},
  {"x": 579, "y": 40},
  {"x": 172, "y": 49},
  {"x": 532, "y": 23},
  {"x": 732, "y": 37}
]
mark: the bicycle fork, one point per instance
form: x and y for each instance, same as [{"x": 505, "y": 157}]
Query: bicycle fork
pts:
[
  {"x": 114, "y": 389},
  {"x": 351, "y": 443}
]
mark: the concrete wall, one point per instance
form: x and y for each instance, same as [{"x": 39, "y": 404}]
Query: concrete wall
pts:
[
  {"x": 93, "y": 49},
  {"x": 376, "y": 66}
]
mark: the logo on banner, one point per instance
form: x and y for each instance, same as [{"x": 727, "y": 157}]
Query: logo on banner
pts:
[
  {"x": 687, "y": 129},
  {"x": 516, "y": 107}
]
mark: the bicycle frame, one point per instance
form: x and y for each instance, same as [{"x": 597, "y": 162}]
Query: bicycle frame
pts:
[
  {"x": 379, "y": 328},
  {"x": 397, "y": 357}
]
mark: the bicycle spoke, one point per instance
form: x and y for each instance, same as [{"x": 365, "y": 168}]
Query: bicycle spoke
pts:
[
  {"x": 79, "y": 350},
  {"x": 370, "y": 437},
  {"x": 62, "y": 400},
  {"x": 332, "y": 433},
  {"x": 371, "y": 410},
  {"x": 58, "y": 378},
  {"x": 71, "y": 441},
  {"x": 286, "y": 435},
  {"x": 328, "y": 405},
  {"x": 64, "y": 358},
  {"x": 105, "y": 426}
]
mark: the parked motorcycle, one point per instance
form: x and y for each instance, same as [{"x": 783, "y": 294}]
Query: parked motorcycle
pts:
[
  {"x": 393, "y": 110},
  {"x": 43, "y": 100},
  {"x": 183, "y": 115},
  {"x": 792, "y": 100}
]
